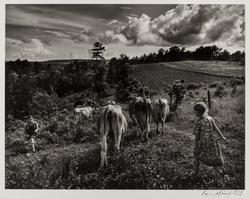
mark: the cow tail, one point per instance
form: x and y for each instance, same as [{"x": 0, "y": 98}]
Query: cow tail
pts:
[{"x": 105, "y": 119}]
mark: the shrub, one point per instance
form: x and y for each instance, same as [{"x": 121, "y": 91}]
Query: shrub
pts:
[
  {"x": 214, "y": 84},
  {"x": 190, "y": 94},
  {"x": 43, "y": 103},
  {"x": 48, "y": 137},
  {"x": 220, "y": 91},
  {"x": 20, "y": 145},
  {"x": 193, "y": 86}
]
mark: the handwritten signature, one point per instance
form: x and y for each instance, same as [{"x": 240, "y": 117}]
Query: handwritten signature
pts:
[{"x": 222, "y": 194}]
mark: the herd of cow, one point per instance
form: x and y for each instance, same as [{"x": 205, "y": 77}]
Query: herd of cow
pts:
[{"x": 111, "y": 118}]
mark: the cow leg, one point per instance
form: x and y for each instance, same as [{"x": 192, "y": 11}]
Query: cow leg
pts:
[
  {"x": 148, "y": 124},
  {"x": 104, "y": 146},
  {"x": 118, "y": 140},
  {"x": 139, "y": 126},
  {"x": 163, "y": 124},
  {"x": 133, "y": 119},
  {"x": 104, "y": 149},
  {"x": 115, "y": 131},
  {"x": 157, "y": 127},
  {"x": 147, "y": 127}
]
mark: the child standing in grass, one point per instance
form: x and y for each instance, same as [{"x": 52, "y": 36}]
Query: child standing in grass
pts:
[
  {"x": 207, "y": 149},
  {"x": 31, "y": 129}
]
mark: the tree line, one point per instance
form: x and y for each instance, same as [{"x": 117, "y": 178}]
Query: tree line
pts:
[{"x": 203, "y": 53}]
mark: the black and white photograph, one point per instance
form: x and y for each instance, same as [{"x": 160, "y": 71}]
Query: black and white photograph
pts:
[{"x": 125, "y": 97}]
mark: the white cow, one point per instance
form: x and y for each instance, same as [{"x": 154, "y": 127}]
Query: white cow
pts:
[
  {"x": 83, "y": 113},
  {"x": 111, "y": 118},
  {"x": 160, "y": 111}
]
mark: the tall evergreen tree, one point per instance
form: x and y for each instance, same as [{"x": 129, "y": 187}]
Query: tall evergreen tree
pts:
[{"x": 98, "y": 50}]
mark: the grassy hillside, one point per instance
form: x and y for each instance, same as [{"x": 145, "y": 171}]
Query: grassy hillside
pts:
[
  {"x": 68, "y": 153},
  {"x": 163, "y": 163}
]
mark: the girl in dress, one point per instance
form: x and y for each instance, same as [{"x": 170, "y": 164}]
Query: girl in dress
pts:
[{"x": 207, "y": 149}]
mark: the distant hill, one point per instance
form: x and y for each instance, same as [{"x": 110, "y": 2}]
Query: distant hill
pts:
[{"x": 65, "y": 61}]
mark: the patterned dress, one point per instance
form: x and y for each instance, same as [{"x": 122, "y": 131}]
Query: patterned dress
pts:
[
  {"x": 30, "y": 129},
  {"x": 207, "y": 149}
]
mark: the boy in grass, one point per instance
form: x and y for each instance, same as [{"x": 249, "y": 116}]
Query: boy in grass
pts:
[
  {"x": 207, "y": 149},
  {"x": 31, "y": 129}
]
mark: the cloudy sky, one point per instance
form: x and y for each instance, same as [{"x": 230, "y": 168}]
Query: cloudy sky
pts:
[{"x": 43, "y": 32}]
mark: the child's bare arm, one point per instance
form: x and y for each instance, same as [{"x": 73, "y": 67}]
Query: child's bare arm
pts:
[
  {"x": 37, "y": 127},
  {"x": 218, "y": 130}
]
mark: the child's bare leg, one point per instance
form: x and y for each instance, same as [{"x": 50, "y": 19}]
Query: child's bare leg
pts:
[{"x": 33, "y": 144}]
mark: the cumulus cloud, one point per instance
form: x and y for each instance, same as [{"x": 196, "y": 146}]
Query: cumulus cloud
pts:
[
  {"x": 183, "y": 25},
  {"x": 13, "y": 42},
  {"x": 110, "y": 36},
  {"x": 126, "y": 8},
  {"x": 30, "y": 50},
  {"x": 57, "y": 34},
  {"x": 84, "y": 35},
  {"x": 131, "y": 15},
  {"x": 137, "y": 32},
  {"x": 112, "y": 22},
  {"x": 72, "y": 55}
]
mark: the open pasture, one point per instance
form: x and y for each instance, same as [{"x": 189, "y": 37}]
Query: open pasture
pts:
[{"x": 157, "y": 76}]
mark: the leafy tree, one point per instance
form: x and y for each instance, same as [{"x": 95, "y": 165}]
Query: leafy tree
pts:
[
  {"x": 224, "y": 56},
  {"x": 161, "y": 55},
  {"x": 238, "y": 56}
]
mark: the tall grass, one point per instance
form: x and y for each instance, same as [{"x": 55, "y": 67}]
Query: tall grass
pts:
[{"x": 164, "y": 163}]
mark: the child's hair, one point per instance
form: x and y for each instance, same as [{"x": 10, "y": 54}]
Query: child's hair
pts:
[{"x": 200, "y": 107}]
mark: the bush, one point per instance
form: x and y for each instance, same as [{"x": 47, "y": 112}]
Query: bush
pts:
[
  {"x": 193, "y": 86},
  {"x": 49, "y": 138},
  {"x": 220, "y": 91},
  {"x": 83, "y": 135},
  {"x": 214, "y": 84},
  {"x": 190, "y": 94},
  {"x": 43, "y": 103},
  {"x": 20, "y": 145}
]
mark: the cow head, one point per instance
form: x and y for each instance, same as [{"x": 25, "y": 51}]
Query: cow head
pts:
[
  {"x": 95, "y": 110},
  {"x": 110, "y": 102}
]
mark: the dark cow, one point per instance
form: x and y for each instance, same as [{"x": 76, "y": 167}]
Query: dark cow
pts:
[{"x": 140, "y": 113}]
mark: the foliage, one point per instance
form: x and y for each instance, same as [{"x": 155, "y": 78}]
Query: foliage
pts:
[
  {"x": 177, "y": 53},
  {"x": 220, "y": 91}
]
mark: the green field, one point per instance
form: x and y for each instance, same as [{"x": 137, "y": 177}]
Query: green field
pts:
[
  {"x": 158, "y": 75},
  {"x": 220, "y": 68}
]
